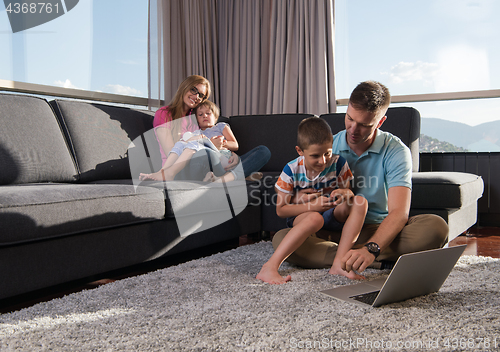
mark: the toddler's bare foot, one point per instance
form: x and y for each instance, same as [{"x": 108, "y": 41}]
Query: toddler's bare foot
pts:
[
  {"x": 209, "y": 177},
  {"x": 334, "y": 270},
  {"x": 168, "y": 177},
  {"x": 272, "y": 276},
  {"x": 156, "y": 176},
  {"x": 256, "y": 176},
  {"x": 150, "y": 177}
]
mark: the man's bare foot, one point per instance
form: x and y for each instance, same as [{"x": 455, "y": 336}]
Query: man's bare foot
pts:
[
  {"x": 271, "y": 276},
  {"x": 350, "y": 275}
]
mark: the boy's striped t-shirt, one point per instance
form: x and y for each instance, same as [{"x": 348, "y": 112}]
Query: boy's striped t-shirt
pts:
[{"x": 336, "y": 174}]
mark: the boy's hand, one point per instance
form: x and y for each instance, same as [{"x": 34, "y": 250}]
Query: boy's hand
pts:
[
  {"x": 305, "y": 196},
  {"x": 341, "y": 195},
  {"x": 320, "y": 204},
  {"x": 315, "y": 200},
  {"x": 287, "y": 206}
]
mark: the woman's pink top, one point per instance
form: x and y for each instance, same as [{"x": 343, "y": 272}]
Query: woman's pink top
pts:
[{"x": 163, "y": 118}]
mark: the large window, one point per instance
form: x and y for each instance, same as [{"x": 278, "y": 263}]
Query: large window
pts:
[
  {"x": 422, "y": 47},
  {"x": 99, "y": 45}
]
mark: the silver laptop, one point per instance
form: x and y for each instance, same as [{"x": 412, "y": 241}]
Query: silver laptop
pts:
[{"x": 413, "y": 275}]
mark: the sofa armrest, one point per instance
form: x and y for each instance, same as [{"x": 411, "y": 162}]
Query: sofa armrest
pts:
[{"x": 445, "y": 190}]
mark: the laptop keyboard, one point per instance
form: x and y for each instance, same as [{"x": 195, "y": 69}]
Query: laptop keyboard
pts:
[{"x": 367, "y": 298}]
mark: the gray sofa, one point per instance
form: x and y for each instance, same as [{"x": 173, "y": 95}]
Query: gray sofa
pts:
[
  {"x": 451, "y": 195},
  {"x": 71, "y": 207}
]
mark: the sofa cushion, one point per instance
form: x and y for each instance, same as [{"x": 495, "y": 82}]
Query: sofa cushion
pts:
[
  {"x": 199, "y": 206},
  {"x": 99, "y": 136},
  {"x": 32, "y": 146},
  {"x": 434, "y": 190},
  {"x": 278, "y": 132},
  {"x": 43, "y": 211},
  {"x": 270, "y": 220},
  {"x": 459, "y": 219},
  {"x": 403, "y": 122}
]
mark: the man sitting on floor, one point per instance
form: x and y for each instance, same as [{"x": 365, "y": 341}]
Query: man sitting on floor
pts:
[{"x": 382, "y": 168}]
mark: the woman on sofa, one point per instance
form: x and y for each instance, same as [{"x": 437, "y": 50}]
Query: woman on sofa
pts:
[
  {"x": 212, "y": 135},
  {"x": 172, "y": 121}
]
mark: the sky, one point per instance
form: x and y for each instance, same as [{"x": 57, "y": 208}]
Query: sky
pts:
[
  {"x": 425, "y": 46},
  {"x": 98, "y": 45}
]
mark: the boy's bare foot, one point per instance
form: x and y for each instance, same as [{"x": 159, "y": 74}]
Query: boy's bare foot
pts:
[
  {"x": 350, "y": 275},
  {"x": 272, "y": 276}
]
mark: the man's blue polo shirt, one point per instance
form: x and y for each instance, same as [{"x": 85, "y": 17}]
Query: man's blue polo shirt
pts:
[{"x": 387, "y": 163}]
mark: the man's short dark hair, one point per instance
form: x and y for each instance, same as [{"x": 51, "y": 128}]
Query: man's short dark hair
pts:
[
  {"x": 313, "y": 130},
  {"x": 370, "y": 96}
]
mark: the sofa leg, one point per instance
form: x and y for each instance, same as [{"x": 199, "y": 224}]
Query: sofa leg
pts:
[
  {"x": 265, "y": 235},
  {"x": 259, "y": 236}
]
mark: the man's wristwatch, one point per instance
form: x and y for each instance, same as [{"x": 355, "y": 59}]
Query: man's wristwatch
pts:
[{"x": 373, "y": 248}]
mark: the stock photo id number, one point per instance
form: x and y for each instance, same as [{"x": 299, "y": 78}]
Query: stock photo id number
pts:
[{"x": 28, "y": 14}]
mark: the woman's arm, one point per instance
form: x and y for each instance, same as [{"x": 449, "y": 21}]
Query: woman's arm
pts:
[{"x": 164, "y": 136}]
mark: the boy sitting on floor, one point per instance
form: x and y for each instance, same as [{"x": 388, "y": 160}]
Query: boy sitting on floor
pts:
[{"x": 337, "y": 209}]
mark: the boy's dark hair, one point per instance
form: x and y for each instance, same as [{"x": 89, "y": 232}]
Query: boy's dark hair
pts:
[
  {"x": 313, "y": 130},
  {"x": 370, "y": 96}
]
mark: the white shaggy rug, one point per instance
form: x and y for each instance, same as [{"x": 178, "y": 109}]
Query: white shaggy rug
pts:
[{"x": 216, "y": 304}]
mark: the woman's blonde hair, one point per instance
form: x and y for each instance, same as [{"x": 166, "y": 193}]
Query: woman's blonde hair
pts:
[{"x": 176, "y": 104}]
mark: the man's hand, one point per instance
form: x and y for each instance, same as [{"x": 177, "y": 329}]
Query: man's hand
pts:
[
  {"x": 357, "y": 259},
  {"x": 353, "y": 275}
]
